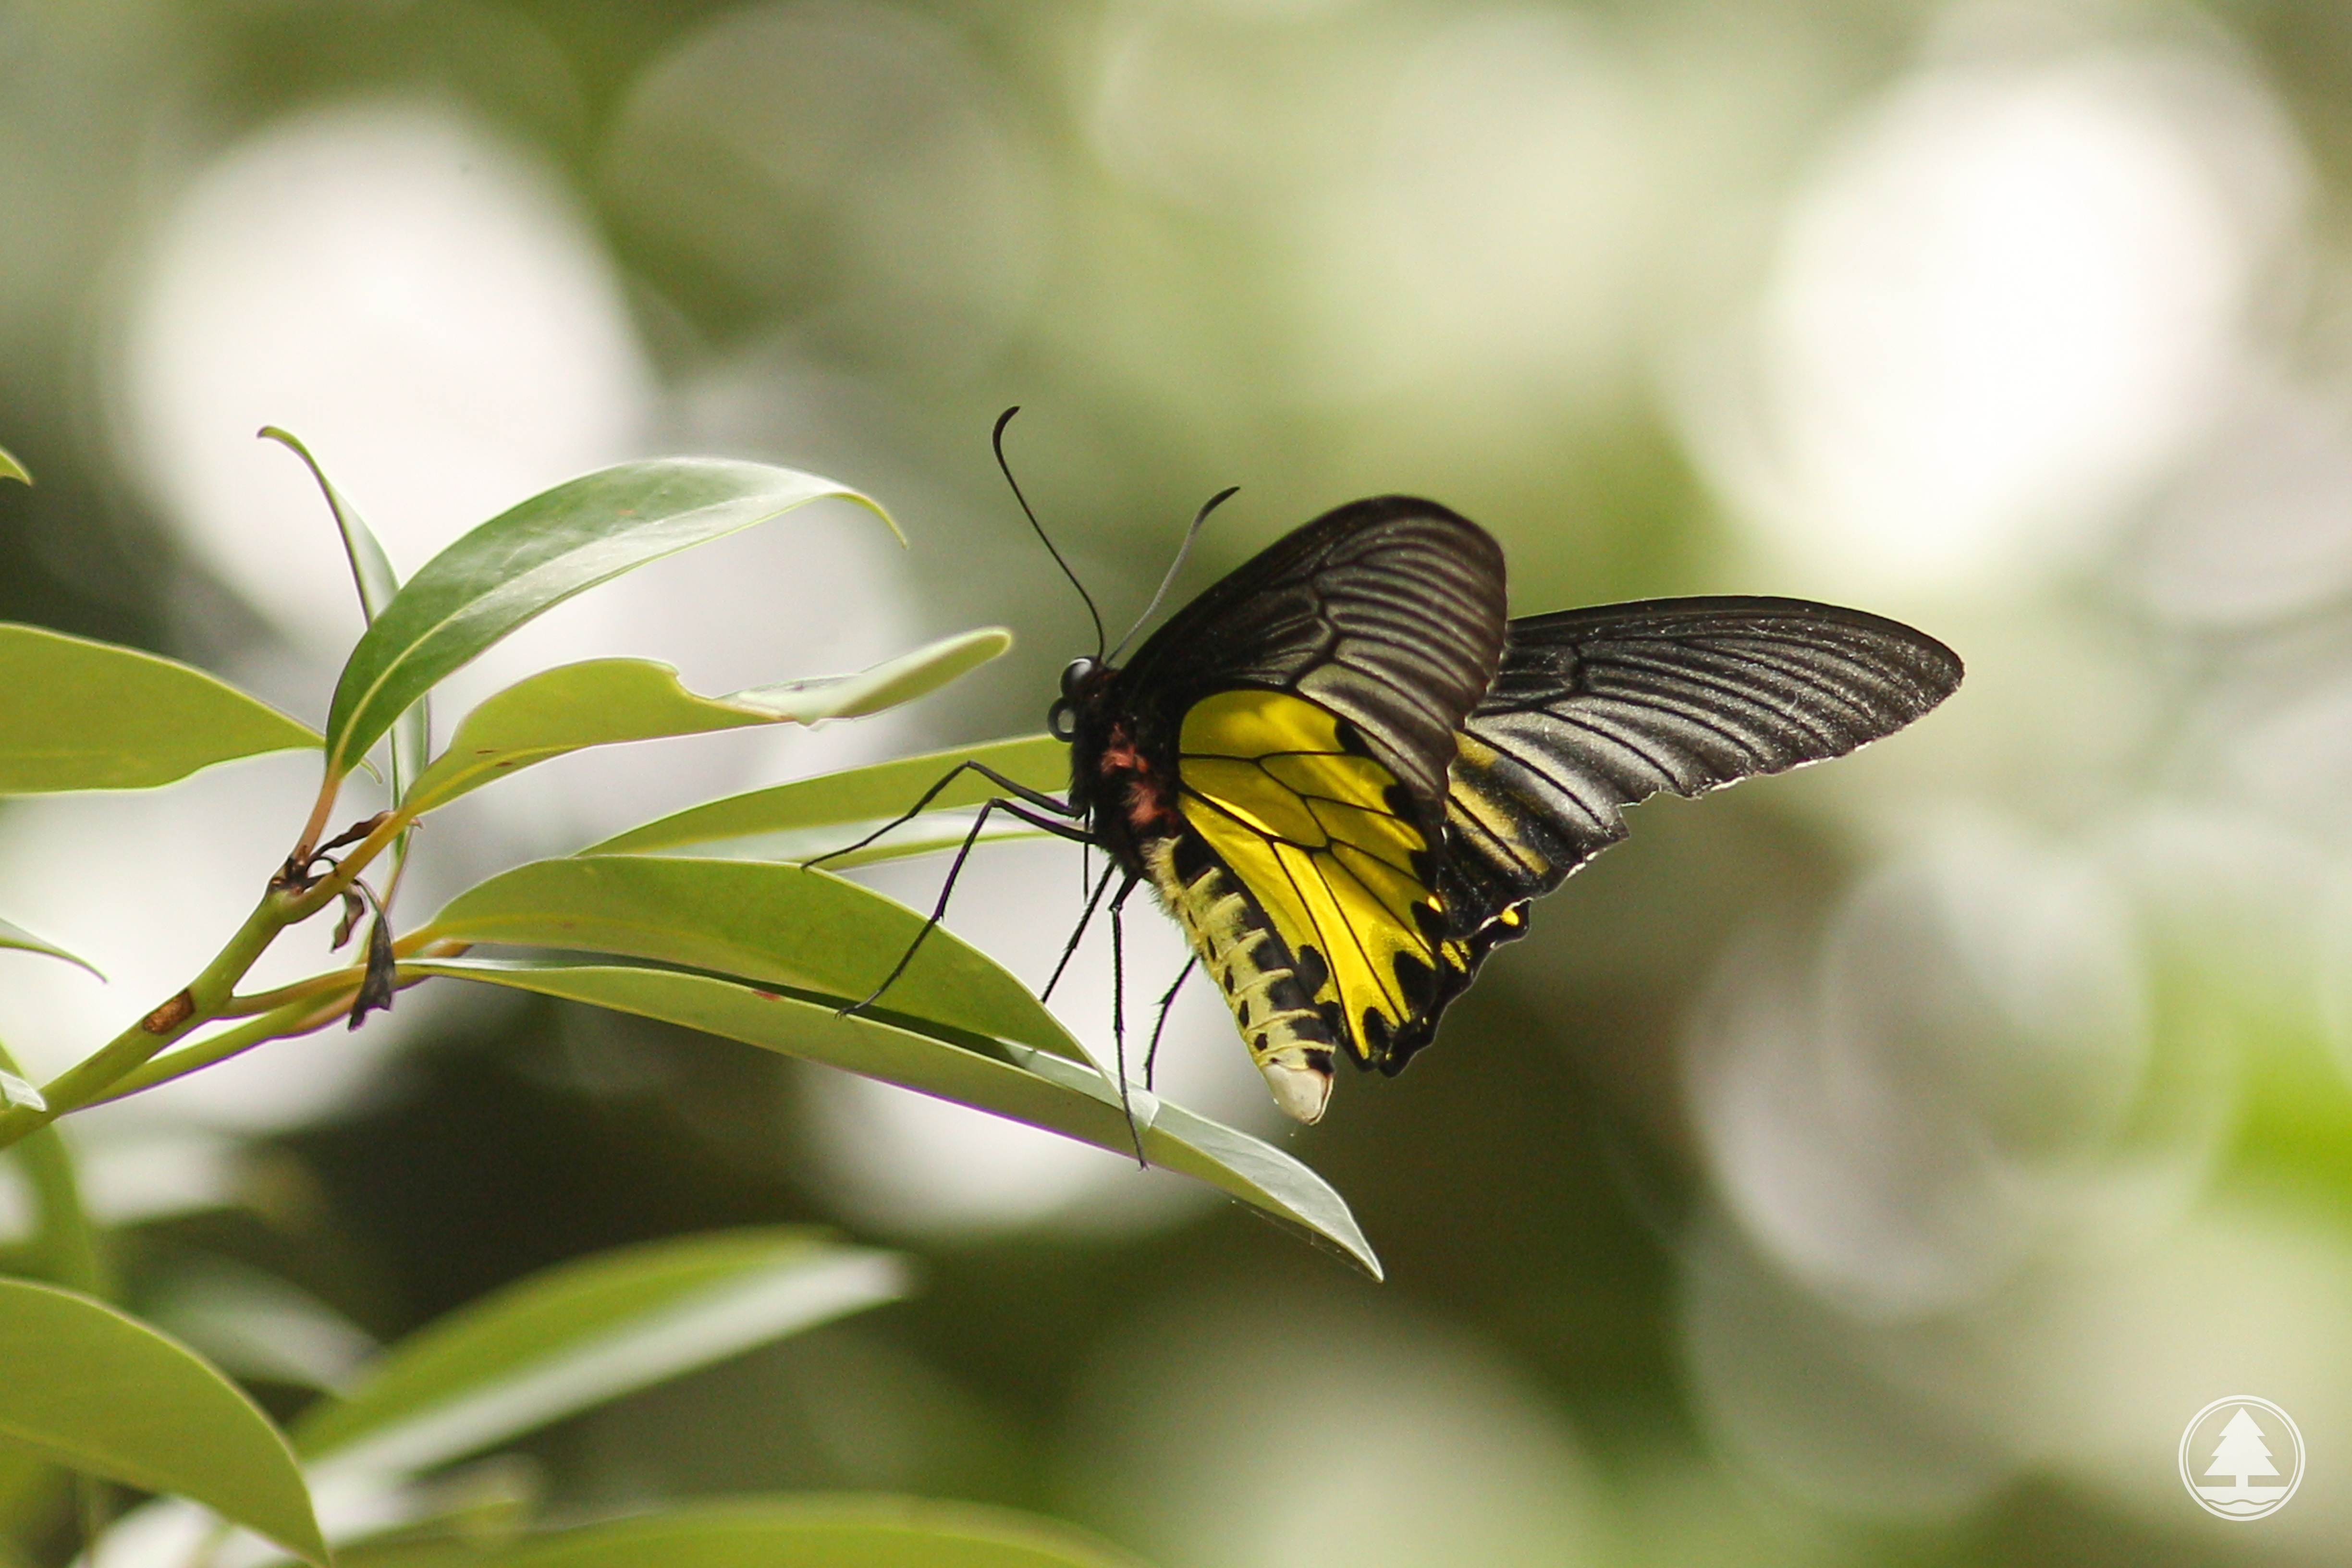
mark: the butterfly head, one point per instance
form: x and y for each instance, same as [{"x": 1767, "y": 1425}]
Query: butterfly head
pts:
[{"x": 1083, "y": 681}]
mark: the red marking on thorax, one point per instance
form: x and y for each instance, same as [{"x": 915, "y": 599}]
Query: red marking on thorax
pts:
[{"x": 1146, "y": 795}]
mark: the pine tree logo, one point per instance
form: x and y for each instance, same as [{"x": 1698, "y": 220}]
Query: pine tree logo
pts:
[{"x": 2241, "y": 1457}]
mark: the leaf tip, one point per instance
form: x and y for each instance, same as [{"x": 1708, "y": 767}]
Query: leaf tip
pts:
[
  {"x": 287, "y": 439},
  {"x": 879, "y": 510}
]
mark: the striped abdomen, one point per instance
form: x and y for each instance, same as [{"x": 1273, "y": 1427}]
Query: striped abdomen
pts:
[{"x": 1287, "y": 1038}]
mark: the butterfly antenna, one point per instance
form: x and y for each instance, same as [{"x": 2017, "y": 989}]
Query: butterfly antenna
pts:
[
  {"x": 996, "y": 439},
  {"x": 1168, "y": 582}
]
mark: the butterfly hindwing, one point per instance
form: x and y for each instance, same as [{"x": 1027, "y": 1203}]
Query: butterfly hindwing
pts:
[
  {"x": 1594, "y": 710},
  {"x": 1341, "y": 858}
]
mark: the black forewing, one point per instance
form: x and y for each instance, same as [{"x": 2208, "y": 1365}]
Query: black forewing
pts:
[
  {"x": 1389, "y": 612},
  {"x": 1594, "y": 710}
]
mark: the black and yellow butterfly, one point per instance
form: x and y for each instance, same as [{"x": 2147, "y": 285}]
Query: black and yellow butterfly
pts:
[{"x": 1345, "y": 773}]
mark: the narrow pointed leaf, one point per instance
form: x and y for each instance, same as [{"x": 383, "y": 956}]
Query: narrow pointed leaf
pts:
[
  {"x": 882, "y": 686},
  {"x": 377, "y": 583},
  {"x": 782, "y": 925},
  {"x": 584, "y": 1332},
  {"x": 17, "y": 937},
  {"x": 77, "y": 714},
  {"x": 604, "y": 701},
  {"x": 804, "y": 1531},
  {"x": 372, "y": 570},
  {"x": 1058, "y": 1096},
  {"x": 534, "y": 556},
  {"x": 854, "y": 797},
  {"x": 97, "y": 1391},
  {"x": 10, "y": 468}
]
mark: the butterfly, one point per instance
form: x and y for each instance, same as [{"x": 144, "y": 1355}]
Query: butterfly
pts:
[{"x": 1346, "y": 773}]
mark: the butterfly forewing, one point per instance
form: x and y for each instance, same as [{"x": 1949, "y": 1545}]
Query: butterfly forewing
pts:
[{"x": 1387, "y": 613}]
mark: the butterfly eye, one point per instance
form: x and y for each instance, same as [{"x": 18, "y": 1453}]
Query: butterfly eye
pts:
[
  {"x": 1062, "y": 719},
  {"x": 1076, "y": 675}
]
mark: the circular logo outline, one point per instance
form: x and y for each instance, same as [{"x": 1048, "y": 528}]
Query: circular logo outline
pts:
[{"x": 2188, "y": 1479}]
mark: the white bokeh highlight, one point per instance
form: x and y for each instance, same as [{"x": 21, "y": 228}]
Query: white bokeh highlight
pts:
[
  {"x": 423, "y": 306},
  {"x": 2004, "y": 301},
  {"x": 1965, "y": 1077},
  {"x": 416, "y": 299}
]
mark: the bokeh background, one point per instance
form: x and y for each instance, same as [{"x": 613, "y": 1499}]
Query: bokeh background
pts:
[{"x": 1876, "y": 1165}]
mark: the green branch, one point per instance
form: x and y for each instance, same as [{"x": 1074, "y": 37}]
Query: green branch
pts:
[{"x": 108, "y": 1073}]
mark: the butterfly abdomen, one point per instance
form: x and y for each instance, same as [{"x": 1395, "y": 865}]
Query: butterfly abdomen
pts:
[{"x": 1288, "y": 1039}]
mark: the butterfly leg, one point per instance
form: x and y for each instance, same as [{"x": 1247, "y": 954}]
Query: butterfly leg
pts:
[
  {"x": 1118, "y": 1011},
  {"x": 947, "y": 889},
  {"x": 1167, "y": 1000},
  {"x": 1070, "y": 947},
  {"x": 1020, "y": 791}
]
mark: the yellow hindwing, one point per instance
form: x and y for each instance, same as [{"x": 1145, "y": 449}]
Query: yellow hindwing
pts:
[{"x": 1324, "y": 839}]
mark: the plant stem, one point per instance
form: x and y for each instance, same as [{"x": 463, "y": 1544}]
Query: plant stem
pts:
[
  {"x": 201, "y": 1001},
  {"x": 345, "y": 980},
  {"x": 298, "y": 1016},
  {"x": 322, "y": 810},
  {"x": 292, "y": 1010},
  {"x": 86, "y": 1080}
]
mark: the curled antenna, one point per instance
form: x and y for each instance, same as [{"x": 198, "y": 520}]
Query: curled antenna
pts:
[
  {"x": 1168, "y": 582},
  {"x": 996, "y": 439}
]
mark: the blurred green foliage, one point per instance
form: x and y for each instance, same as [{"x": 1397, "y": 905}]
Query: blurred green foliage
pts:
[{"x": 861, "y": 229}]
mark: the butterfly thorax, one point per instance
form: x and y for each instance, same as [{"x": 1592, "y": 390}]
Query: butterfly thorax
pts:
[{"x": 1123, "y": 779}]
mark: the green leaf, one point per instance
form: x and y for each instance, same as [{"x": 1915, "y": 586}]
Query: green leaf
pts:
[
  {"x": 99, "y": 1391},
  {"x": 925, "y": 836},
  {"x": 856, "y": 796},
  {"x": 533, "y": 557},
  {"x": 799, "y": 1532},
  {"x": 17, "y": 937},
  {"x": 77, "y": 714},
  {"x": 372, "y": 571},
  {"x": 1041, "y": 1089},
  {"x": 883, "y": 685},
  {"x": 257, "y": 1326},
  {"x": 782, "y": 925},
  {"x": 604, "y": 702},
  {"x": 10, "y": 468},
  {"x": 584, "y": 1332},
  {"x": 378, "y": 583}
]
